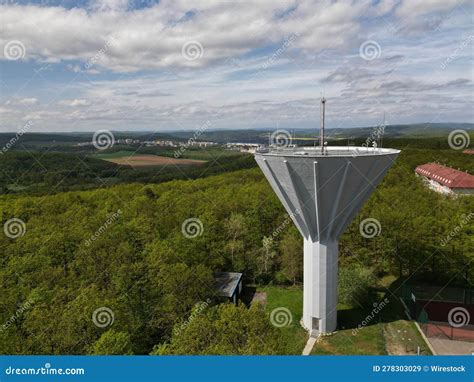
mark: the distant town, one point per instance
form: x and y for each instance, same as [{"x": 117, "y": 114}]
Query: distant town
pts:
[{"x": 234, "y": 146}]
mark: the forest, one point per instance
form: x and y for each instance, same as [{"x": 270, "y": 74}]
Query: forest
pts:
[
  {"x": 40, "y": 173},
  {"x": 151, "y": 276}
]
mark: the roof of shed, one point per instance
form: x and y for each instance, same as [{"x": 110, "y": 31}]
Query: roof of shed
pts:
[{"x": 227, "y": 283}]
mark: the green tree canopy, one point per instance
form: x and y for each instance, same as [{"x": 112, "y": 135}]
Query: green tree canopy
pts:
[
  {"x": 225, "y": 329},
  {"x": 113, "y": 343}
]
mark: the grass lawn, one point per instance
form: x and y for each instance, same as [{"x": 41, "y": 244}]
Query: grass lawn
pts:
[
  {"x": 401, "y": 335},
  {"x": 368, "y": 340},
  {"x": 389, "y": 332},
  {"x": 291, "y": 298}
]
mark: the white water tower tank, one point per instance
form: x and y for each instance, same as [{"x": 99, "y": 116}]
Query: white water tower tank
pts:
[{"x": 322, "y": 191}]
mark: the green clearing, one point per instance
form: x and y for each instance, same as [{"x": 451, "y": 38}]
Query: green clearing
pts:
[
  {"x": 207, "y": 153},
  {"x": 390, "y": 332},
  {"x": 14, "y": 187},
  {"x": 115, "y": 154},
  {"x": 291, "y": 298}
]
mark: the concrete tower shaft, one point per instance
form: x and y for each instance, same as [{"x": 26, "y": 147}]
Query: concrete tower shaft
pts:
[{"x": 322, "y": 192}]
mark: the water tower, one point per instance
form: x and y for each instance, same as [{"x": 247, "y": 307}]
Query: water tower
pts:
[{"x": 322, "y": 189}]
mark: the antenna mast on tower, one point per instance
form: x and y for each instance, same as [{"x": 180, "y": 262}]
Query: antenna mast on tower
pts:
[
  {"x": 323, "y": 110},
  {"x": 383, "y": 129}
]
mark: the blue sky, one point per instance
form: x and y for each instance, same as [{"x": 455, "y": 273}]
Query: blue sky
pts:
[{"x": 176, "y": 65}]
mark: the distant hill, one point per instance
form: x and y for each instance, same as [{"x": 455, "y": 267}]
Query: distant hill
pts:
[
  {"x": 419, "y": 130},
  {"x": 65, "y": 138},
  {"x": 422, "y": 130}
]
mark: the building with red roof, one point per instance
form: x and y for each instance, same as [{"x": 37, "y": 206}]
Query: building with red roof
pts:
[
  {"x": 446, "y": 180},
  {"x": 469, "y": 151}
]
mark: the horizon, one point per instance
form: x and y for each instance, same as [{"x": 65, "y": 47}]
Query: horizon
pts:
[
  {"x": 172, "y": 66},
  {"x": 263, "y": 129}
]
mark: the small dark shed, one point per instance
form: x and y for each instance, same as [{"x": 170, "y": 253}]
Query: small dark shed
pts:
[{"x": 229, "y": 285}]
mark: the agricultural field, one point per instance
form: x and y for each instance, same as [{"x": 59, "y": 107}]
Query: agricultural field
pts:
[
  {"x": 42, "y": 172},
  {"x": 128, "y": 158}
]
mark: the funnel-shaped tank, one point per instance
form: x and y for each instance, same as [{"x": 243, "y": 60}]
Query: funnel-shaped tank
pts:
[{"x": 322, "y": 193}]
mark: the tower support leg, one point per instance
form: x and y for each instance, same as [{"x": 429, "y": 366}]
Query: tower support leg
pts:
[{"x": 320, "y": 286}]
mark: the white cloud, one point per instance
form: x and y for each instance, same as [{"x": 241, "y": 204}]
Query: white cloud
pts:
[
  {"x": 124, "y": 69},
  {"x": 22, "y": 101},
  {"x": 416, "y": 8},
  {"x": 73, "y": 68},
  {"x": 108, "y": 5},
  {"x": 28, "y": 101},
  {"x": 417, "y": 17},
  {"x": 74, "y": 102},
  {"x": 153, "y": 37}
]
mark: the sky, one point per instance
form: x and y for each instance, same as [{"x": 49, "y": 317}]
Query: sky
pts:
[{"x": 178, "y": 65}]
